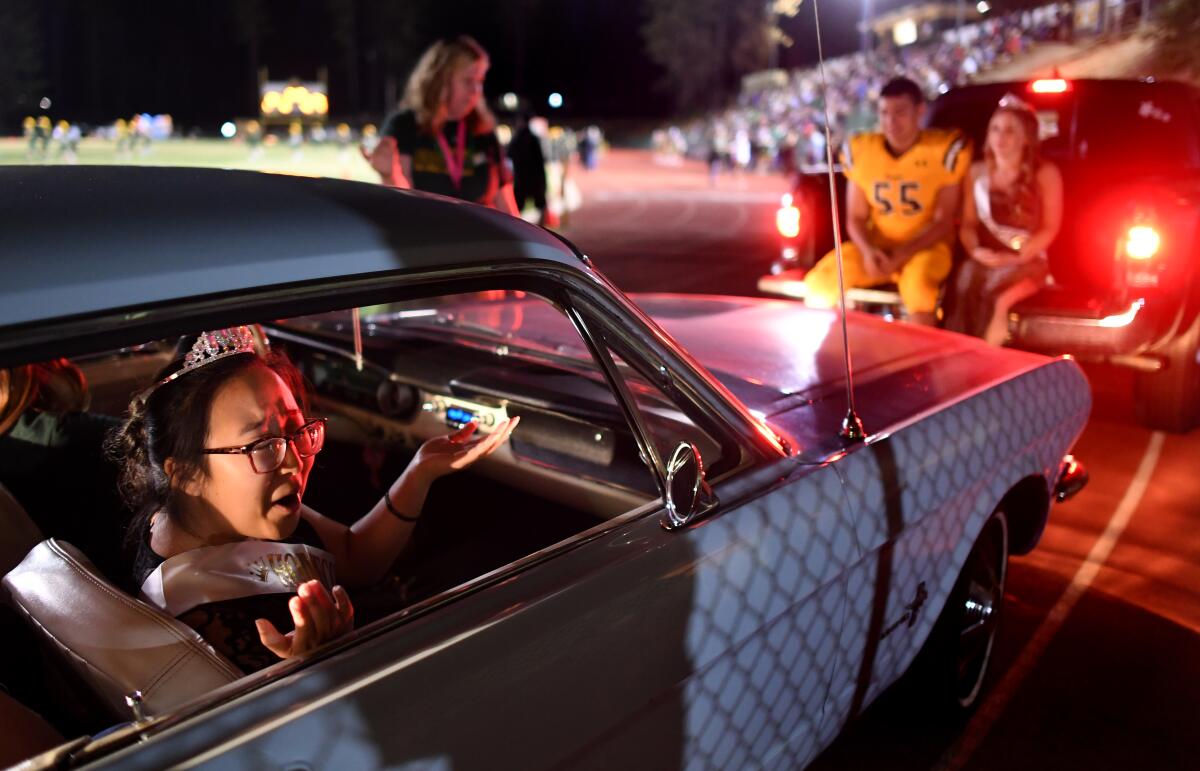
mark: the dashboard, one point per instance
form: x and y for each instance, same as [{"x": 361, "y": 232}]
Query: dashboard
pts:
[{"x": 573, "y": 444}]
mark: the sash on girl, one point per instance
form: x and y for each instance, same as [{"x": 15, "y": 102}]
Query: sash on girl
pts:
[
  {"x": 1012, "y": 237},
  {"x": 234, "y": 570}
]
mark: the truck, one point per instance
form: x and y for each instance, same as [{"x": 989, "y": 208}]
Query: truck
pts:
[{"x": 1125, "y": 268}]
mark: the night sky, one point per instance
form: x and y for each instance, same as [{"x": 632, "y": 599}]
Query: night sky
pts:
[{"x": 106, "y": 59}]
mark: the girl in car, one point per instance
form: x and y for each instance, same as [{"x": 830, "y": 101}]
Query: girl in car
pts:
[
  {"x": 1012, "y": 212},
  {"x": 215, "y": 460},
  {"x": 443, "y": 139}
]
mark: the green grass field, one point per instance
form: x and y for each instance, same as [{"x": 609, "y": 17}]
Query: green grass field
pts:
[{"x": 313, "y": 160}]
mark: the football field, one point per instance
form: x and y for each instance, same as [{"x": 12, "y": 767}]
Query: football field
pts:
[{"x": 326, "y": 160}]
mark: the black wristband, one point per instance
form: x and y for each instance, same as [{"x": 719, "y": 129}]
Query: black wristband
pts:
[{"x": 387, "y": 501}]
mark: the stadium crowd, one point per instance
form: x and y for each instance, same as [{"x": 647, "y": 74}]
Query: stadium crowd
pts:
[{"x": 778, "y": 120}]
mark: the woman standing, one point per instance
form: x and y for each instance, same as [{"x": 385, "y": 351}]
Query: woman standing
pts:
[
  {"x": 443, "y": 139},
  {"x": 1012, "y": 212}
]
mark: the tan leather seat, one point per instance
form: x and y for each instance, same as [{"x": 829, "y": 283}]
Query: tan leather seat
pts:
[
  {"x": 20, "y": 534},
  {"x": 116, "y": 643}
]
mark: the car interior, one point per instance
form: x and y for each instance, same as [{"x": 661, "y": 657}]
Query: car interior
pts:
[{"x": 387, "y": 378}]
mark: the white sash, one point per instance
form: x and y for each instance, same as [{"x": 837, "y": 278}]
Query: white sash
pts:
[
  {"x": 234, "y": 570},
  {"x": 1013, "y": 238}
]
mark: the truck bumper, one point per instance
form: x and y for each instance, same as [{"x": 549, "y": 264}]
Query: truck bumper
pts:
[{"x": 1055, "y": 323}]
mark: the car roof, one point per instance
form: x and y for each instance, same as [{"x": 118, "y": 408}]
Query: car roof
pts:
[
  {"x": 1088, "y": 85},
  {"x": 87, "y": 239}
]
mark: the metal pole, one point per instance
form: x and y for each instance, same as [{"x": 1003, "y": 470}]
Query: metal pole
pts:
[
  {"x": 852, "y": 425},
  {"x": 865, "y": 31}
]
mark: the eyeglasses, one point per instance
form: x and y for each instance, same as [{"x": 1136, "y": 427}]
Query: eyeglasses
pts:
[{"x": 268, "y": 454}]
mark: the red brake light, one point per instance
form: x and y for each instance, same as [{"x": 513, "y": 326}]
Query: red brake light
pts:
[
  {"x": 1142, "y": 242},
  {"x": 1050, "y": 86},
  {"x": 787, "y": 219}
]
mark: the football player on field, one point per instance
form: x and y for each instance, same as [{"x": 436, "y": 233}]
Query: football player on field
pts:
[{"x": 902, "y": 194}]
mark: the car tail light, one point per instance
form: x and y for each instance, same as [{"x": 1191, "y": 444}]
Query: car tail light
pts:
[
  {"x": 1050, "y": 86},
  {"x": 1142, "y": 242},
  {"x": 787, "y": 219},
  {"x": 1141, "y": 245}
]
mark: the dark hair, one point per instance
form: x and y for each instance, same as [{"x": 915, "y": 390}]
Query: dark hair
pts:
[
  {"x": 172, "y": 422},
  {"x": 903, "y": 87}
]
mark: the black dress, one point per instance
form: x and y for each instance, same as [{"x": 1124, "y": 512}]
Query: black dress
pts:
[
  {"x": 1004, "y": 223},
  {"x": 228, "y": 625}
]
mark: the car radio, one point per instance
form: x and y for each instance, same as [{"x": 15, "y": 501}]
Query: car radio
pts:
[{"x": 457, "y": 413}]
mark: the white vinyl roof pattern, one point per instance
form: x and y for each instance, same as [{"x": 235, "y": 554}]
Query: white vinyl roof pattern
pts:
[{"x": 87, "y": 239}]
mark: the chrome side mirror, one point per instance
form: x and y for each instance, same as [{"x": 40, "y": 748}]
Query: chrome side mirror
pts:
[{"x": 688, "y": 495}]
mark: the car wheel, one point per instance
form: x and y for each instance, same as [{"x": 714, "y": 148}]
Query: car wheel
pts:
[
  {"x": 955, "y": 661},
  {"x": 1169, "y": 400}
]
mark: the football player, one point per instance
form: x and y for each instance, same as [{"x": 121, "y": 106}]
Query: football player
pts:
[{"x": 902, "y": 193}]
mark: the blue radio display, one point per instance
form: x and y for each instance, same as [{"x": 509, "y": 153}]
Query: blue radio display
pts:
[{"x": 457, "y": 416}]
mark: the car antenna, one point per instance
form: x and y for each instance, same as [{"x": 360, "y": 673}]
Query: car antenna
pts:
[{"x": 852, "y": 425}]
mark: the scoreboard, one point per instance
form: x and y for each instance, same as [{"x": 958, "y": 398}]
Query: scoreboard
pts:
[{"x": 286, "y": 101}]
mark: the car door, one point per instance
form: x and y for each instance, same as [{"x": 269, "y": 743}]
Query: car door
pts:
[
  {"x": 764, "y": 632},
  {"x": 627, "y": 645}
]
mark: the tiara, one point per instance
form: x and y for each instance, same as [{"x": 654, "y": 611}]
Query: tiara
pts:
[
  {"x": 214, "y": 346},
  {"x": 1011, "y": 101}
]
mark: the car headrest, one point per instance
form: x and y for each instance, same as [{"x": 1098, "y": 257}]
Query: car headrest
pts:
[
  {"x": 20, "y": 533},
  {"x": 116, "y": 643}
]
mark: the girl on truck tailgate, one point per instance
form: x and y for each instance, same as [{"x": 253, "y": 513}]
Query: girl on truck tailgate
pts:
[{"x": 1012, "y": 210}]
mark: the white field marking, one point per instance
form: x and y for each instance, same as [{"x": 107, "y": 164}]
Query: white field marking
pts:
[
  {"x": 684, "y": 217},
  {"x": 957, "y": 756}
]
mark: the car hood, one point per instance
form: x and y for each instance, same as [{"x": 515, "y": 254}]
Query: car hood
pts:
[
  {"x": 783, "y": 361},
  {"x": 777, "y": 354}
]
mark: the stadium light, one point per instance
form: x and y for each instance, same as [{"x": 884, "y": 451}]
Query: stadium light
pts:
[
  {"x": 228, "y": 129},
  {"x": 510, "y": 101},
  {"x": 555, "y": 100},
  {"x": 905, "y": 32}
]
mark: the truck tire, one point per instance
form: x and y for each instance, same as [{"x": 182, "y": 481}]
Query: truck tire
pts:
[{"x": 1169, "y": 400}]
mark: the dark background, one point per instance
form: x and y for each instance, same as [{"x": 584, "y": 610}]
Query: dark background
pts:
[{"x": 198, "y": 61}]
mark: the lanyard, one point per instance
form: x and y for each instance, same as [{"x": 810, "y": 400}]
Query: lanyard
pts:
[{"x": 455, "y": 162}]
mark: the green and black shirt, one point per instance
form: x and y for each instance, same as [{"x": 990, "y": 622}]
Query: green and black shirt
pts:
[{"x": 484, "y": 170}]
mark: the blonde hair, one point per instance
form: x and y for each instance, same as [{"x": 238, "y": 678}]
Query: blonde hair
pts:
[
  {"x": 428, "y": 85},
  {"x": 1025, "y": 190}
]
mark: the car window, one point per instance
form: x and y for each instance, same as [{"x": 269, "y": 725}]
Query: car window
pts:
[
  {"x": 428, "y": 367},
  {"x": 665, "y": 422},
  {"x": 435, "y": 364}
]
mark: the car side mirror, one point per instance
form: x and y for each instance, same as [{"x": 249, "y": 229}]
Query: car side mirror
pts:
[{"x": 688, "y": 495}]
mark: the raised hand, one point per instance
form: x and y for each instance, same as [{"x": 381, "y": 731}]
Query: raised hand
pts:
[
  {"x": 445, "y": 454},
  {"x": 318, "y": 616}
]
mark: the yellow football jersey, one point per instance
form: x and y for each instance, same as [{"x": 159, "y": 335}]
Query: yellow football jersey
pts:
[{"x": 902, "y": 189}]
